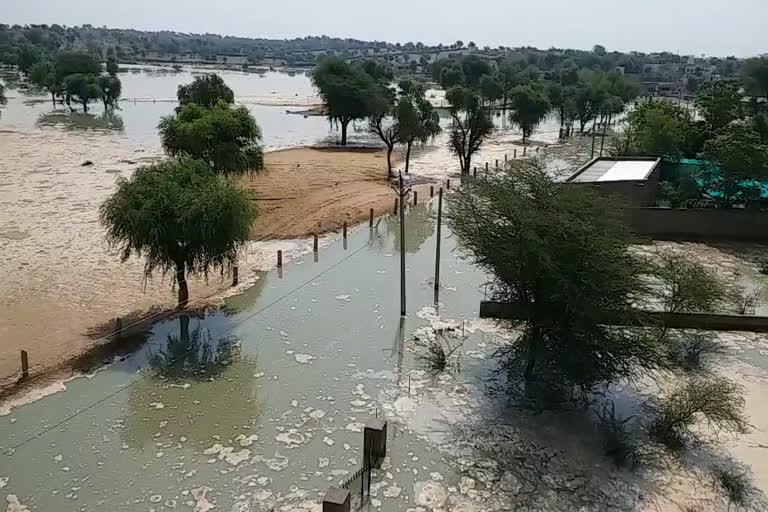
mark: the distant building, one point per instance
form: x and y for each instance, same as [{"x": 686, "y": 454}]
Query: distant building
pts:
[{"x": 234, "y": 59}]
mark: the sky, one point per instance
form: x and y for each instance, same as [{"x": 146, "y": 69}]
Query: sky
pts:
[{"x": 712, "y": 27}]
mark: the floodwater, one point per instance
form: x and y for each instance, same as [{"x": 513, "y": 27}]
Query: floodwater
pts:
[
  {"x": 60, "y": 285},
  {"x": 260, "y": 405}
]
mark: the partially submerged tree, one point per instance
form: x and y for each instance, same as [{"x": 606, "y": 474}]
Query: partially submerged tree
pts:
[
  {"x": 225, "y": 137},
  {"x": 3, "y": 99},
  {"x": 657, "y": 128},
  {"x": 110, "y": 90},
  {"x": 529, "y": 108},
  {"x": 206, "y": 90},
  {"x": 417, "y": 120},
  {"x": 688, "y": 286},
  {"x": 83, "y": 88},
  {"x": 43, "y": 74},
  {"x": 471, "y": 125},
  {"x": 560, "y": 254},
  {"x": 348, "y": 91},
  {"x": 180, "y": 217}
]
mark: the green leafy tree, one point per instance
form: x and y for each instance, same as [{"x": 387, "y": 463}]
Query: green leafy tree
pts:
[
  {"x": 110, "y": 90},
  {"x": 590, "y": 93},
  {"x": 450, "y": 77},
  {"x": 736, "y": 155},
  {"x": 382, "y": 123},
  {"x": 656, "y": 128},
  {"x": 719, "y": 103},
  {"x": 348, "y": 91},
  {"x": 43, "y": 74},
  {"x": 112, "y": 67},
  {"x": 206, "y": 91},
  {"x": 754, "y": 72},
  {"x": 417, "y": 120},
  {"x": 471, "y": 125},
  {"x": 225, "y": 137},
  {"x": 83, "y": 88},
  {"x": 75, "y": 63},
  {"x": 561, "y": 254},
  {"x": 491, "y": 89},
  {"x": 529, "y": 108},
  {"x": 180, "y": 217}
]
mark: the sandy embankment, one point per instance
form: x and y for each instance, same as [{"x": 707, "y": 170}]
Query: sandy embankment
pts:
[
  {"x": 55, "y": 311},
  {"x": 306, "y": 191}
]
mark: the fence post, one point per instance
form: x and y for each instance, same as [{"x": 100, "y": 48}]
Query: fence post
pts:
[
  {"x": 336, "y": 500},
  {"x": 394, "y": 210},
  {"x": 475, "y": 172},
  {"x": 279, "y": 259},
  {"x": 514, "y": 155},
  {"x": 486, "y": 168},
  {"x": 374, "y": 442},
  {"x": 448, "y": 184},
  {"x": 24, "y": 365},
  {"x": 537, "y": 150},
  {"x": 437, "y": 248},
  {"x": 118, "y": 327},
  {"x": 505, "y": 158},
  {"x": 431, "y": 191},
  {"x": 235, "y": 277},
  {"x": 370, "y": 220},
  {"x": 415, "y": 198},
  {"x": 525, "y": 150},
  {"x": 497, "y": 164}
]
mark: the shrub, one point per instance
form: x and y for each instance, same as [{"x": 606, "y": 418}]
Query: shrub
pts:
[
  {"x": 718, "y": 400},
  {"x": 618, "y": 443},
  {"x": 687, "y": 285},
  {"x": 689, "y": 350},
  {"x": 735, "y": 485}
]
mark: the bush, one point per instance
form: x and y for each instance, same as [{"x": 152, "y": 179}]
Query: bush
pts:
[
  {"x": 735, "y": 485},
  {"x": 438, "y": 352},
  {"x": 687, "y": 285},
  {"x": 719, "y": 400},
  {"x": 689, "y": 350},
  {"x": 747, "y": 301}
]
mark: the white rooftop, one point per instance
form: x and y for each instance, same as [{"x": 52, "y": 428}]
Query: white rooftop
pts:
[{"x": 615, "y": 170}]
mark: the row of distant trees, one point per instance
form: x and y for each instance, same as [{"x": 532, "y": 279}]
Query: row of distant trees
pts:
[{"x": 403, "y": 114}]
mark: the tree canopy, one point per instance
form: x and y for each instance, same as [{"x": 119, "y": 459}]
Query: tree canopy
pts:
[
  {"x": 719, "y": 103},
  {"x": 179, "y": 217},
  {"x": 560, "y": 253},
  {"x": 530, "y": 106},
  {"x": 755, "y": 75},
  {"x": 417, "y": 120},
  {"x": 206, "y": 91},
  {"x": 471, "y": 125},
  {"x": 350, "y": 90},
  {"x": 225, "y": 137}
]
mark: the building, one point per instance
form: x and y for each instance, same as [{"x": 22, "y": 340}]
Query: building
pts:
[
  {"x": 635, "y": 179},
  {"x": 234, "y": 59}
]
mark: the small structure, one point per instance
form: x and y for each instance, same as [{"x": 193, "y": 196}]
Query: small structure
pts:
[
  {"x": 234, "y": 59},
  {"x": 633, "y": 178}
]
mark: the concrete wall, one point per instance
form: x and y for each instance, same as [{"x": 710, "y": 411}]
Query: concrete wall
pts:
[{"x": 699, "y": 224}]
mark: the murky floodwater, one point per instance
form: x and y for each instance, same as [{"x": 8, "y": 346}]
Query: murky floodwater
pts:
[
  {"x": 59, "y": 282},
  {"x": 259, "y": 406}
]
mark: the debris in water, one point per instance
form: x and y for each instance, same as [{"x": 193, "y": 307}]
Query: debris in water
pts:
[
  {"x": 345, "y": 298},
  {"x": 14, "y": 505},
  {"x": 291, "y": 438},
  {"x": 323, "y": 462},
  {"x": 155, "y": 498},
  {"x": 317, "y": 414},
  {"x": 328, "y": 441},
  {"x": 157, "y": 405},
  {"x": 430, "y": 494},
  {"x": 247, "y": 441},
  {"x": 202, "y": 504},
  {"x": 4, "y": 481},
  {"x": 303, "y": 358}
]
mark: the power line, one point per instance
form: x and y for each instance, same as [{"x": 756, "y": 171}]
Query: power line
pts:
[{"x": 133, "y": 383}]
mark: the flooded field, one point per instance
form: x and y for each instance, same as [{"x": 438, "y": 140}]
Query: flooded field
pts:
[
  {"x": 260, "y": 406},
  {"x": 60, "y": 285}
]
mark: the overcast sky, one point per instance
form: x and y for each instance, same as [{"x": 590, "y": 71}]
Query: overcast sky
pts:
[{"x": 714, "y": 27}]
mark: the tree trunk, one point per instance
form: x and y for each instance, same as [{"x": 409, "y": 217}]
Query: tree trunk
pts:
[
  {"x": 467, "y": 163},
  {"x": 181, "y": 280},
  {"x": 582, "y": 124},
  {"x": 390, "y": 174},
  {"x": 85, "y": 107},
  {"x": 594, "y": 129},
  {"x": 408, "y": 156},
  {"x": 53, "y": 98},
  {"x": 184, "y": 329},
  {"x": 344, "y": 124}
]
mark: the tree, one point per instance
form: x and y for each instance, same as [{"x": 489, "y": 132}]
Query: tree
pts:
[
  {"x": 719, "y": 103},
  {"x": 206, "y": 91},
  {"x": 43, "y": 74},
  {"x": 735, "y": 155},
  {"x": 84, "y": 88},
  {"x": 754, "y": 72},
  {"x": 529, "y": 107},
  {"x": 75, "y": 63},
  {"x": 3, "y": 99},
  {"x": 112, "y": 67},
  {"x": 598, "y": 50},
  {"x": 491, "y": 89},
  {"x": 110, "y": 90},
  {"x": 471, "y": 125},
  {"x": 179, "y": 217},
  {"x": 347, "y": 91},
  {"x": 225, "y": 137},
  {"x": 692, "y": 85},
  {"x": 561, "y": 254},
  {"x": 388, "y": 131},
  {"x": 657, "y": 128},
  {"x": 589, "y": 97},
  {"x": 417, "y": 120}
]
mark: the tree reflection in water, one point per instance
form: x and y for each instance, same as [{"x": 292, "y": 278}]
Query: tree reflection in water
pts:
[
  {"x": 107, "y": 121},
  {"x": 419, "y": 225}
]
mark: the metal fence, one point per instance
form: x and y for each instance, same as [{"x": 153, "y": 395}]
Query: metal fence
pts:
[{"x": 359, "y": 487}]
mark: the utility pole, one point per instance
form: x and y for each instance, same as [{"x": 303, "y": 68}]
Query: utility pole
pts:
[
  {"x": 437, "y": 248},
  {"x": 402, "y": 194}
]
